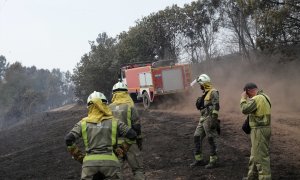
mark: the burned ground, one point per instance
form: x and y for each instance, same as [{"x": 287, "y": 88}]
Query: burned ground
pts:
[{"x": 36, "y": 149}]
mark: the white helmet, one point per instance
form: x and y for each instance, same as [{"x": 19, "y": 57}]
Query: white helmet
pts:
[
  {"x": 96, "y": 95},
  {"x": 203, "y": 78},
  {"x": 120, "y": 86}
]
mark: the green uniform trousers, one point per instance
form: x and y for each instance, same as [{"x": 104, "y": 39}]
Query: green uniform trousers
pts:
[
  {"x": 108, "y": 173},
  {"x": 204, "y": 129},
  {"x": 135, "y": 161},
  {"x": 259, "y": 164}
]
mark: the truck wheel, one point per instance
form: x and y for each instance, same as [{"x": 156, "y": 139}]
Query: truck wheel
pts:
[{"x": 146, "y": 100}]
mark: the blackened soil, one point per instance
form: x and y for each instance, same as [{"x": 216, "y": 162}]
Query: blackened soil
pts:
[{"x": 36, "y": 148}]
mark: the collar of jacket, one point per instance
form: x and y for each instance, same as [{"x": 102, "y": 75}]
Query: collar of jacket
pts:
[
  {"x": 260, "y": 92},
  {"x": 122, "y": 98},
  {"x": 207, "y": 87},
  {"x": 97, "y": 112}
]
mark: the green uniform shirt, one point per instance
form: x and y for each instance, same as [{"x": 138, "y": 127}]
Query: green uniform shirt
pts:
[{"x": 258, "y": 109}]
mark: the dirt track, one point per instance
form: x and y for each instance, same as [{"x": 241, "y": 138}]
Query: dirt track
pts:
[{"x": 36, "y": 149}]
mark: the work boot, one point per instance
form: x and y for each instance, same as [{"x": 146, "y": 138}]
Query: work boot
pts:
[
  {"x": 211, "y": 165},
  {"x": 212, "y": 162},
  {"x": 197, "y": 163}
]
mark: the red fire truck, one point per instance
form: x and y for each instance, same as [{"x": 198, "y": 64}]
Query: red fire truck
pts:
[{"x": 148, "y": 81}]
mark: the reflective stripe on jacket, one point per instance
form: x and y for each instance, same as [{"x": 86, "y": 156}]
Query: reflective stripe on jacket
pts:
[
  {"x": 126, "y": 114},
  {"x": 99, "y": 140}
]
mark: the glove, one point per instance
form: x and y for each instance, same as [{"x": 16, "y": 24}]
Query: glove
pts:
[
  {"x": 79, "y": 158},
  {"x": 125, "y": 147},
  {"x": 119, "y": 152},
  {"x": 76, "y": 153},
  {"x": 139, "y": 142},
  {"x": 198, "y": 103}
]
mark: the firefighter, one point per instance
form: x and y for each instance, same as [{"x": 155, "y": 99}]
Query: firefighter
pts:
[
  {"x": 258, "y": 109},
  {"x": 208, "y": 124},
  {"x": 99, "y": 131},
  {"x": 124, "y": 110}
]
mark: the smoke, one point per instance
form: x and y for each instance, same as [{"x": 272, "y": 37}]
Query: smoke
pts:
[{"x": 279, "y": 80}]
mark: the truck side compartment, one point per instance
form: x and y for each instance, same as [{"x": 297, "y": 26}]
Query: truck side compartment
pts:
[{"x": 145, "y": 83}]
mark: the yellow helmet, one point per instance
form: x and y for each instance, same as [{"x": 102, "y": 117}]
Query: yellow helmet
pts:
[{"x": 96, "y": 95}]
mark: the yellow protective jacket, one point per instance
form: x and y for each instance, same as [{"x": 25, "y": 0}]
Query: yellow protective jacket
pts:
[{"x": 258, "y": 109}]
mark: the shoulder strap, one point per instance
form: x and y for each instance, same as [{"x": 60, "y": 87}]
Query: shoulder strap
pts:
[{"x": 267, "y": 99}]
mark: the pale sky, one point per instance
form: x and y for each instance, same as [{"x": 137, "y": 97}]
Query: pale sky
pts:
[{"x": 55, "y": 33}]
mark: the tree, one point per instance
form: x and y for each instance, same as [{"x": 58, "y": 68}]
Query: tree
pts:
[
  {"x": 137, "y": 45},
  {"x": 154, "y": 37},
  {"x": 54, "y": 85},
  {"x": 200, "y": 25},
  {"x": 28, "y": 90},
  {"x": 68, "y": 88},
  {"x": 3, "y": 66},
  {"x": 97, "y": 70},
  {"x": 239, "y": 18},
  {"x": 279, "y": 23},
  {"x": 264, "y": 24}
]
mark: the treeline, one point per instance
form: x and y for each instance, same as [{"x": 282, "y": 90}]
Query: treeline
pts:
[
  {"x": 28, "y": 90},
  {"x": 199, "y": 31}
]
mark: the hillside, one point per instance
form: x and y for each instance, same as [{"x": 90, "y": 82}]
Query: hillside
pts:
[{"x": 35, "y": 149}]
